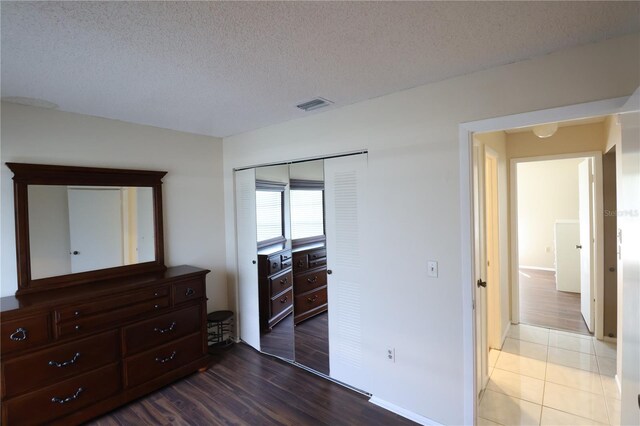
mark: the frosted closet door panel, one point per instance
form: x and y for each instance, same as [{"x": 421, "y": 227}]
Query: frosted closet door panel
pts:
[
  {"x": 345, "y": 185},
  {"x": 246, "y": 233}
]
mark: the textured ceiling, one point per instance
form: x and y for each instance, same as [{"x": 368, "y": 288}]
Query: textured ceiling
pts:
[{"x": 224, "y": 68}]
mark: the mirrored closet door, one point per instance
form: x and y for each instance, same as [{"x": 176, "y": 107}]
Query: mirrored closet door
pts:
[{"x": 284, "y": 239}]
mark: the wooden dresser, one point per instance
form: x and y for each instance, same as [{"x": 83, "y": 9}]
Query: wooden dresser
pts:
[
  {"x": 275, "y": 283},
  {"x": 74, "y": 353},
  {"x": 309, "y": 281}
]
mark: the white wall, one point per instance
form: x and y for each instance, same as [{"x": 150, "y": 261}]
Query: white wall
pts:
[
  {"x": 192, "y": 191},
  {"x": 554, "y": 186},
  {"x": 413, "y": 203}
]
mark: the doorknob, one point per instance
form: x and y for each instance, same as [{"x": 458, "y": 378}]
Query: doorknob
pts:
[
  {"x": 75, "y": 252},
  {"x": 578, "y": 246},
  {"x": 482, "y": 283},
  {"x": 253, "y": 261},
  {"x": 612, "y": 269},
  {"x": 329, "y": 272}
]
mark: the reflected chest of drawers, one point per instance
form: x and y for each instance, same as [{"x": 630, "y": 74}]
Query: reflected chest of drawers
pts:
[
  {"x": 309, "y": 282},
  {"x": 275, "y": 283},
  {"x": 72, "y": 354}
]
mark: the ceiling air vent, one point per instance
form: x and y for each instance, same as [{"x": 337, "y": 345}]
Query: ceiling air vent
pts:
[{"x": 314, "y": 104}]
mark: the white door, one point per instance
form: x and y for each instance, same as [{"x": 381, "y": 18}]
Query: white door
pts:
[
  {"x": 345, "y": 186},
  {"x": 247, "y": 251},
  {"x": 482, "y": 347},
  {"x": 492, "y": 251},
  {"x": 95, "y": 228},
  {"x": 585, "y": 216},
  {"x": 629, "y": 261},
  {"x": 567, "y": 241}
]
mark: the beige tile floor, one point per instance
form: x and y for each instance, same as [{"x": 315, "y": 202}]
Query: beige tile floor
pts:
[{"x": 551, "y": 377}]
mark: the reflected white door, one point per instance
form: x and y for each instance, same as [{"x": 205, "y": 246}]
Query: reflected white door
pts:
[
  {"x": 247, "y": 251},
  {"x": 585, "y": 216},
  {"x": 95, "y": 228},
  {"x": 345, "y": 186}
]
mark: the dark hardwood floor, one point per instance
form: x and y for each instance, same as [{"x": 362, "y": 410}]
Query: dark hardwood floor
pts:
[
  {"x": 312, "y": 343},
  {"x": 541, "y": 304},
  {"x": 244, "y": 387}
]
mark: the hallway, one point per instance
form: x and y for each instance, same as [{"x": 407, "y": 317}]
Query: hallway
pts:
[
  {"x": 550, "y": 377},
  {"x": 542, "y": 305}
]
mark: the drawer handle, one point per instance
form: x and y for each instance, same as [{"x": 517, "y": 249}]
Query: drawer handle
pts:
[
  {"x": 19, "y": 335},
  {"x": 167, "y": 359},
  {"x": 166, "y": 330},
  {"x": 77, "y": 327},
  {"x": 313, "y": 299},
  {"x": 301, "y": 263},
  {"x": 275, "y": 264},
  {"x": 65, "y": 363},
  {"x": 76, "y": 313},
  {"x": 189, "y": 292},
  {"x": 284, "y": 299},
  {"x": 73, "y": 397},
  {"x": 156, "y": 306},
  {"x": 312, "y": 280},
  {"x": 284, "y": 281}
]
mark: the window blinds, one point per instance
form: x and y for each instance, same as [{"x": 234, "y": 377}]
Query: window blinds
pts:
[
  {"x": 269, "y": 214},
  {"x": 307, "y": 215}
]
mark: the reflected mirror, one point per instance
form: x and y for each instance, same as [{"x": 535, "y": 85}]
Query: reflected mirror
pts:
[
  {"x": 311, "y": 331},
  {"x": 274, "y": 261},
  {"x": 85, "y": 228}
]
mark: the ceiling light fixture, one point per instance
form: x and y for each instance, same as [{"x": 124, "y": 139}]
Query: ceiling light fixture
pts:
[{"x": 545, "y": 130}]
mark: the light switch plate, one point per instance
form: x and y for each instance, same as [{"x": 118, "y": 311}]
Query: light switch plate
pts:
[{"x": 432, "y": 268}]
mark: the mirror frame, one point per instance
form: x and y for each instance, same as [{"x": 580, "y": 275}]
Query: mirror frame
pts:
[{"x": 39, "y": 174}]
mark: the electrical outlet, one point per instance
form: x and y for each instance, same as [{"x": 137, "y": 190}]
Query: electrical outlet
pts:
[
  {"x": 391, "y": 354},
  {"x": 432, "y": 268}
]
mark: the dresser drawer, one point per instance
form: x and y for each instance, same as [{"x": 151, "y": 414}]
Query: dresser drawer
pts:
[
  {"x": 94, "y": 322},
  {"x": 275, "y": 264},
  {"x": 24, "y": 333},
  {"x": 300, "y": 262},
  {"x": 311, "y": 300},
  {"x": 282, "y": 302},
  {"x": 309, "y": 280},
  {"x": 158, "y": 361},
  {"x": 63, "y": 398},
  {"x": 162, "y": 329},
  {"x": 279, "y": 283},
  {"x": 188, "y": 290},
  {"x": 88, "y": 309},
  {"x": 317, "y": 254},
  {"x": 51, "y": 365}
]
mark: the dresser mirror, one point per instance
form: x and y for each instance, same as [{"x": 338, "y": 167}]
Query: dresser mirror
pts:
[
  {"x": 78, "y": 224},
  {"x": 291, "y": 260}
]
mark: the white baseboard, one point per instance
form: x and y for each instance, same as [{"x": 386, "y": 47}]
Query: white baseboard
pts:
[
  {"x": 537, "y": 268},
  {"x": 403, "y": 412}
]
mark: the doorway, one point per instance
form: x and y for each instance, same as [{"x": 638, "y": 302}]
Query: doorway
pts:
[
  {"x": 554, "y": 230},
  {"x": 469, "y": 230}
]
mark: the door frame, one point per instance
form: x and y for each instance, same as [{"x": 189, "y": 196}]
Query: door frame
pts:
[
  {"x": 494, "y": 315},
  {"x": 468, "y": 281},
  {"x": 598, "y": 220}
]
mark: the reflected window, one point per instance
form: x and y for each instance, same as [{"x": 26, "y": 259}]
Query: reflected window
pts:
[
  {"x": 307, "y": 210},
  {"x": 270, "y": 212}
]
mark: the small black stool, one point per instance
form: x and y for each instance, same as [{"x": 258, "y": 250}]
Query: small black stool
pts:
[{"x": 219, "y": 326}]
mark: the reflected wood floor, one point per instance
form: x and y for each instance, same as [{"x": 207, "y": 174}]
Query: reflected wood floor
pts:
[
  {"x": 244, "y": 387},
  {"x": 312, "y": 343},
  {"x": 541, "y": 304},
  {"x": 279, "y": 341}
]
